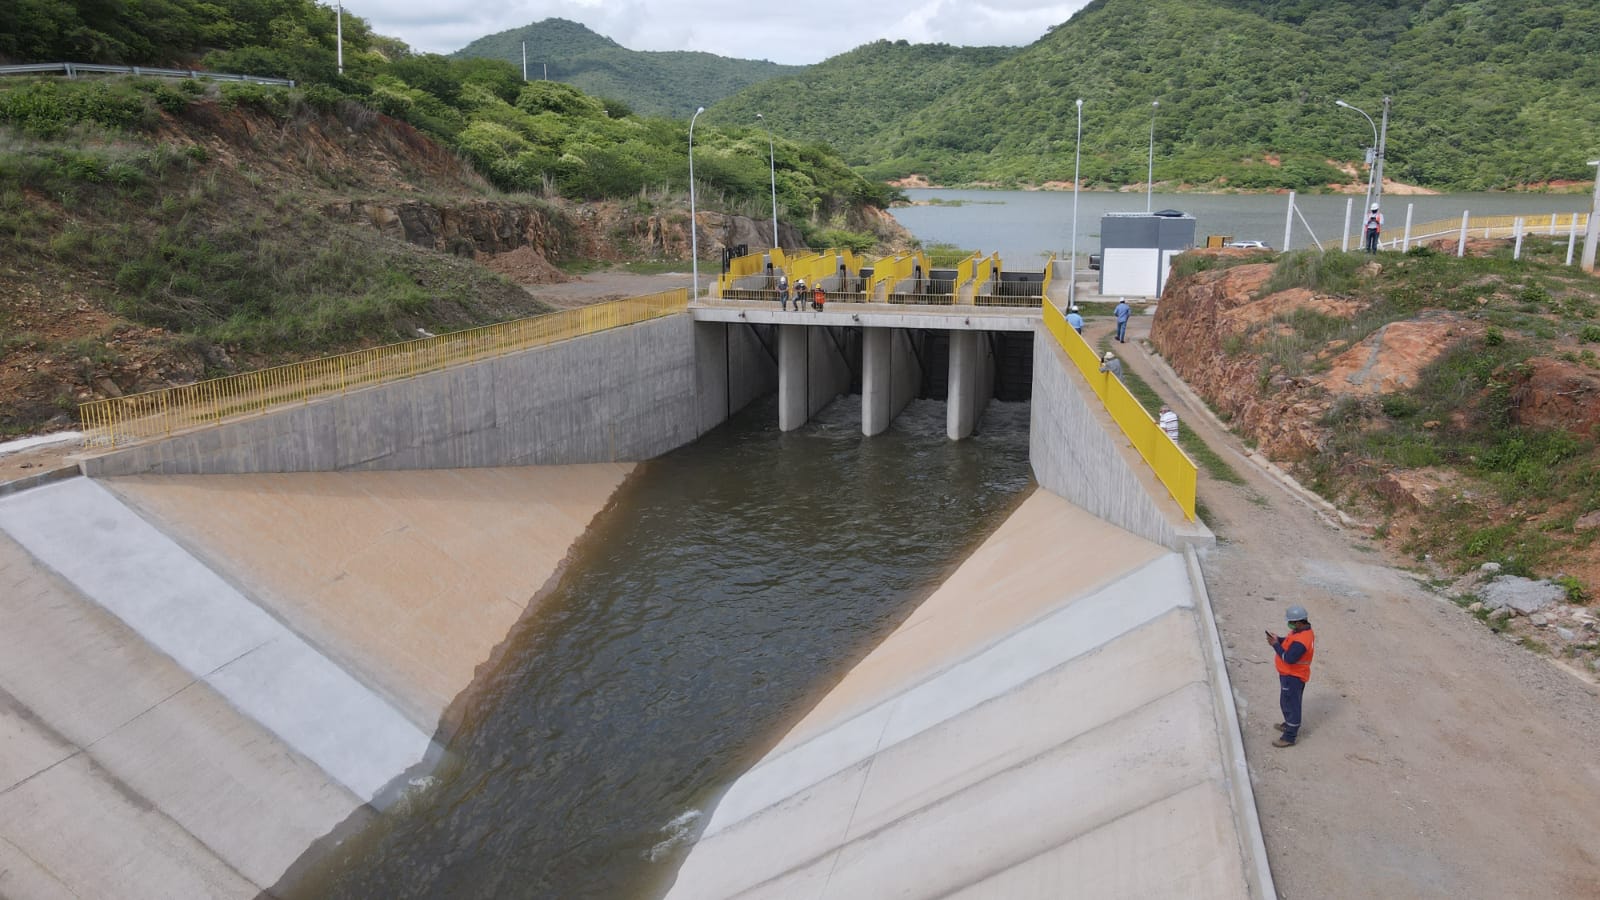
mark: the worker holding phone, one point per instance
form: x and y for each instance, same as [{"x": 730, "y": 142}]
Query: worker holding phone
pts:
[{"x": 1294, "y": 651}]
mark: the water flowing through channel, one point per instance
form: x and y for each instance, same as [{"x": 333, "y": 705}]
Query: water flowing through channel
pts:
[{"x": 726, "y": 587}]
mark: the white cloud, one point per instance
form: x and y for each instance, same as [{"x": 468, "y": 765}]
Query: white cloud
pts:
[{"x": 791, "y": 33}]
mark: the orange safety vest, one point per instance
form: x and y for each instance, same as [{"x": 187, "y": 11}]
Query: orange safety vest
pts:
[
  {"x": 820, "y": 296},
  {"x": 1301, "y": 669}
]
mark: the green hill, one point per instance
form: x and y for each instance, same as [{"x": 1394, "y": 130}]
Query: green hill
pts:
[
  {"x": 1486, "y": 95},
  {"x": 852, "y": 101},
  {"x": 663, "y": 83}
]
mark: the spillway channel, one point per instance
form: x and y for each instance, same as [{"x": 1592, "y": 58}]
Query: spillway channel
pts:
[{"x": 724, "y": 589}]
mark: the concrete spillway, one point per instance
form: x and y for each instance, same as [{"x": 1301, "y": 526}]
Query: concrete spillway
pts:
[
  {"x": 172, "y": 626},
  {"x": 1040, "y": 723},
  {"x": 174, "y": 738}
]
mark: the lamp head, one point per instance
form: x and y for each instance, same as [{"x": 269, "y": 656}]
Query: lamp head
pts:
[
  {"x": 1340, "y": 103},
  {"x": 1155, "y": 102},
  {"x": 700, "y": 110},
  {"x": 760, "y": 116},
  {"x": 1080, "y": 103}
]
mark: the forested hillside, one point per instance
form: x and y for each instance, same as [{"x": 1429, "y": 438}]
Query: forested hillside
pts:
[
  {"x": 154, "y": 231},
  {"x": 1486, "y": 95},
  {"x": 858, "y": 101},
  {"x": 656, "y": 83}
]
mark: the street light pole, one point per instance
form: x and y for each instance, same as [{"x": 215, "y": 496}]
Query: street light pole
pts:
[
  {"x": 338, "y": 34},
  {"x": 1591, "y": 237},
  {"x": 1383, "y": 137},
  {"x": 694, "y": 228},
  {"x": 772, "y": 158},
  {"x": 1077, "y": 158},
  {"x": 1150, "y": 179},
  {"x": 1370, "y": 166}
]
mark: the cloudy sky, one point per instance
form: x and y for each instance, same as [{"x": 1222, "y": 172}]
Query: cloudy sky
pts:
[{"x": 784, "y": 32}]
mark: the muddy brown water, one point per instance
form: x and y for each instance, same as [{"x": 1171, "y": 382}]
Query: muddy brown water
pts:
[{"x": 724, "y": 589}]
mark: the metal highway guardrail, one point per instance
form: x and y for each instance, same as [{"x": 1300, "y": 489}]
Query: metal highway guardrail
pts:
[{"x": 73, "y": 70}]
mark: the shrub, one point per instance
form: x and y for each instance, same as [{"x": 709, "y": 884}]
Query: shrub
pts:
[{"x": 1327, "y": 273}]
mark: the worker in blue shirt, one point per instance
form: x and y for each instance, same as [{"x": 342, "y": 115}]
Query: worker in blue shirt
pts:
[
  {"x": 1122, "y": 312},
  {"x": 1073, "y": 319}
]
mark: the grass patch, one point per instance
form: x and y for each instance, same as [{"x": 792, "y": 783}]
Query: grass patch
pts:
[
  {"x": 1205, "y": 457},
  {"x": 1325, "y": 273}
]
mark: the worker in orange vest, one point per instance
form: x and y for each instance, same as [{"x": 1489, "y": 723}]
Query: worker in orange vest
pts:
[
  {"x": 818, "y": 298},
  {"x": 1294, "y": 651}
]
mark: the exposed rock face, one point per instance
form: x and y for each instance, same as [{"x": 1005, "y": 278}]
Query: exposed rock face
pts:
[
  {"x": 1193, "y": 320},
  {"x": 1416, "y": 489},
  {"x": 1200, "y": 316},
  {"x": 1394, "y": 356},
  {"x": 480, "y": 227},
  {"x": 1555, "y": 394}
]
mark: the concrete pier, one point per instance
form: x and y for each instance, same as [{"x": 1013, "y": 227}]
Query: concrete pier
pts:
[
  {"x": 813, "y": 369},
  {"x": 971, "y": 382},
  {"x": 889, "y": 377}
]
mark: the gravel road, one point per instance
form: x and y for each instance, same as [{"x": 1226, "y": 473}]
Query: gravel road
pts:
[{"x": 1436, "y": 759}]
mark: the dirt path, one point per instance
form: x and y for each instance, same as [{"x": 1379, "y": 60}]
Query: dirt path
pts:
[
  {"x": 1436, "y": 759},
  {"x": 611, "y": 284}
]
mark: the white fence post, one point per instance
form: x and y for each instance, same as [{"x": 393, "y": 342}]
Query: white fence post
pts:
[
  {"x": 1349, "y": 204},
  {"x": 1516, "y": 228},
  {"x": 1288, "y": 223},
  {"x": 1572, "y": 237},
  {"x": 1461, "y": 243},
  {"x": 1406, "y": 243}
]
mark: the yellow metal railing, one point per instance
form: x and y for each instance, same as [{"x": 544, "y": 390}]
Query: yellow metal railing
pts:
[
  {"x": 1174, "y": 468},
  {"x": 121, "y": 421}
]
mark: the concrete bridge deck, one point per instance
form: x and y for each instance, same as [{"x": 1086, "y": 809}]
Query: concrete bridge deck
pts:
[{"x": 870, "y": 315}]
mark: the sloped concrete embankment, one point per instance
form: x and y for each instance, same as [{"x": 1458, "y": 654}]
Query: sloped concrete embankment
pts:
[
  {"x": 204, "y": 675},
  {"x": 1042, "y": 726}
]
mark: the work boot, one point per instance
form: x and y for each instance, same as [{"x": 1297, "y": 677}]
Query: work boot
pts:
[
  {"x": 1281, "y": 726},
  {"x": 1280, "y": 742}
]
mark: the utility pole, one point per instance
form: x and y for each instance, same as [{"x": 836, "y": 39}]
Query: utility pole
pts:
[
  {"x": 524, "y": 60},
  {"x": 1591, "y": 237},
  {"x": 1383, "y": 138},
  {"x": 338, "y": 35}
]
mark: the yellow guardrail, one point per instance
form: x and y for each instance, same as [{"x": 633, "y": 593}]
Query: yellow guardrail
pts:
[
  {"x": 748, "y": 265},
  {"x": 120, "y": 421},
  {"x": 1176, "y": 471},
  {"x": 886, "y": 273}
]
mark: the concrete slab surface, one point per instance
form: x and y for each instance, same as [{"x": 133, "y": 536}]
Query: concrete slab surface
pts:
[
  {"x": 1043, "y": 726},
  {"x": 409, "y": 578},
  {"x": 151, "y": 784},
  {"x": 180, "y": 607}
]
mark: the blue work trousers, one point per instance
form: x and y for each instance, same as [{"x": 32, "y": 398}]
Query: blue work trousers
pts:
[
  {"x": 1290, "y": 690},
  {"x": 1122, "y": 330}
]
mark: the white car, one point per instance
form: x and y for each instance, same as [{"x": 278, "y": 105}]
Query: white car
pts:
[{"x": 1248, "y": 245}]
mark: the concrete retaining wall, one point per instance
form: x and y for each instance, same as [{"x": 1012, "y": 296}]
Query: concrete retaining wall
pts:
[
  {"x": 735, "y": 364},
  {"x": 621, "y": 395},
  {"x": 1078, "y": 453}
]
